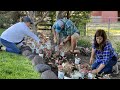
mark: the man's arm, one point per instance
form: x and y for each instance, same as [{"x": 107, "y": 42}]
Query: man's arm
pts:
[
  {"x": 56, "y": 37},
  {"x": 69, "y": 28},
  {"x": 67, "y": 39},
  {"x": 32, "y": 35}
]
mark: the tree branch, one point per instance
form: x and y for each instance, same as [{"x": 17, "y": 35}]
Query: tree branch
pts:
[{"x": 41, "y": 19}]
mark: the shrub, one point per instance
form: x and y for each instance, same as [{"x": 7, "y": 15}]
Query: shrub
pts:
[
  {"x": 117, "y": 47},
  {"x": 84, "y": 42}
]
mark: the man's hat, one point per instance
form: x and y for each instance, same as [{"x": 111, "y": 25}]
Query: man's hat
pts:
[{"x": 27, "y": 19}]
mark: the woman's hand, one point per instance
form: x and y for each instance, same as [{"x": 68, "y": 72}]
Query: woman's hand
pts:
[
  {"x": 95, "y": 71},
  {"x": 91, "y": 60}
]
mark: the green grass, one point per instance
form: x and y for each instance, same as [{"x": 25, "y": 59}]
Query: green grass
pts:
[
  {"x": 13, "y": 66},
  {"x": 85, "y": 42},
  {"x": 113, "y": 30},
  {"x": 91, "y": 32},
  {"x": 1, "y": 30}
]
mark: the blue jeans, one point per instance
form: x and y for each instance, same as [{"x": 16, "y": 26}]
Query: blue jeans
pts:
[
  {"x": 10, "y": 47},
  {"x": 108, "y": 68}
]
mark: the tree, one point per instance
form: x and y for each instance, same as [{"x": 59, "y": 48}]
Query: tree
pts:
[
  {"x": 15, "y": 16},
  {"x": 80, "y": 18},
  {"x": 60, "y": 14},
  {"x": 9, "y": 17},
  {"x": 37, "y": 18}
]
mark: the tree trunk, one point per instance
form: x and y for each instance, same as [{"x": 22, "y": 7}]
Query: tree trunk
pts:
[
  {"x": 84, "y": 29},
  {"x": 31, "y": 14},
  {"x": 42, "y": 17},
  {"x": 68, "y": 14},
  {"x": 60, "y": 14}
]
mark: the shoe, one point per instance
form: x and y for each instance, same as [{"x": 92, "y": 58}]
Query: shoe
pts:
[
  {"x": 0, "y": 48},
  {"x": 115, "y": 69},
  {"x": 3, "y": 48},
  {"x": 75, "y": 52},
  {"x": 118, "y": 60}
]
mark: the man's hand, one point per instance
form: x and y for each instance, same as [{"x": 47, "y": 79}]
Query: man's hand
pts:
[
  {"x": 38, "y": 44},
  {"x": 55, "y": 41},
  {"x": 62, "y": 43},
  {"x": 67, "y": 39}
]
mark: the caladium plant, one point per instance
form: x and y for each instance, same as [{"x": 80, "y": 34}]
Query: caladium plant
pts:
[{"x": 61, "y": 61}]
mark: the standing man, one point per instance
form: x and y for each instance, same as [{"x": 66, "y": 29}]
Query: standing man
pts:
[
  {"x": 66, "y": 34},
  {"x": 15, "y": 35}
]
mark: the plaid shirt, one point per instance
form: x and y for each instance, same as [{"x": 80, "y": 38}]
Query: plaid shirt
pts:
[
  {"x": 105, "y": 55},
  {"x": 69, "y": 29}
]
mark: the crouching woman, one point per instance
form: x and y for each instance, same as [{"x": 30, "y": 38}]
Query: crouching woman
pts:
[{"x": 105, "y": 56}]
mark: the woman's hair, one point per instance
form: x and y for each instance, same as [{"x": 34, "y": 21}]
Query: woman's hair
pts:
[{"x": 101, "y": 33}]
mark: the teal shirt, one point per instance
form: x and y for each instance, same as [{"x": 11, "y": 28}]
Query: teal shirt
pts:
[{"x": 69, "y": 28}]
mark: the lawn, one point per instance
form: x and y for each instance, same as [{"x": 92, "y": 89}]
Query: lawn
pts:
[
  {"x": 112, "y": 29},
  {"x": 1, "y": 30},
  {"x": 91, "y": 32},
  {"x": 13, "y": 66}
]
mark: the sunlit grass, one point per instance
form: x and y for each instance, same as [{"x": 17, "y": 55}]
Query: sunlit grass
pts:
[
  {"x": 1, "y": 30},
  {"x": 91, "y": 32},
  {"x": 13, "y": 66}
]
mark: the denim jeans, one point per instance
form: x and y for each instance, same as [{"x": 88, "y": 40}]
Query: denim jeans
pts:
[
  {"x": 108, "y": 68},
  {"x": 10, "y": 47}
]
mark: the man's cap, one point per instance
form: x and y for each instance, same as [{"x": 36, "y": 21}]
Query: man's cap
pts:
[
  {"x": 59, "y": 23},
  {"x": 27, "y": 19}
]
